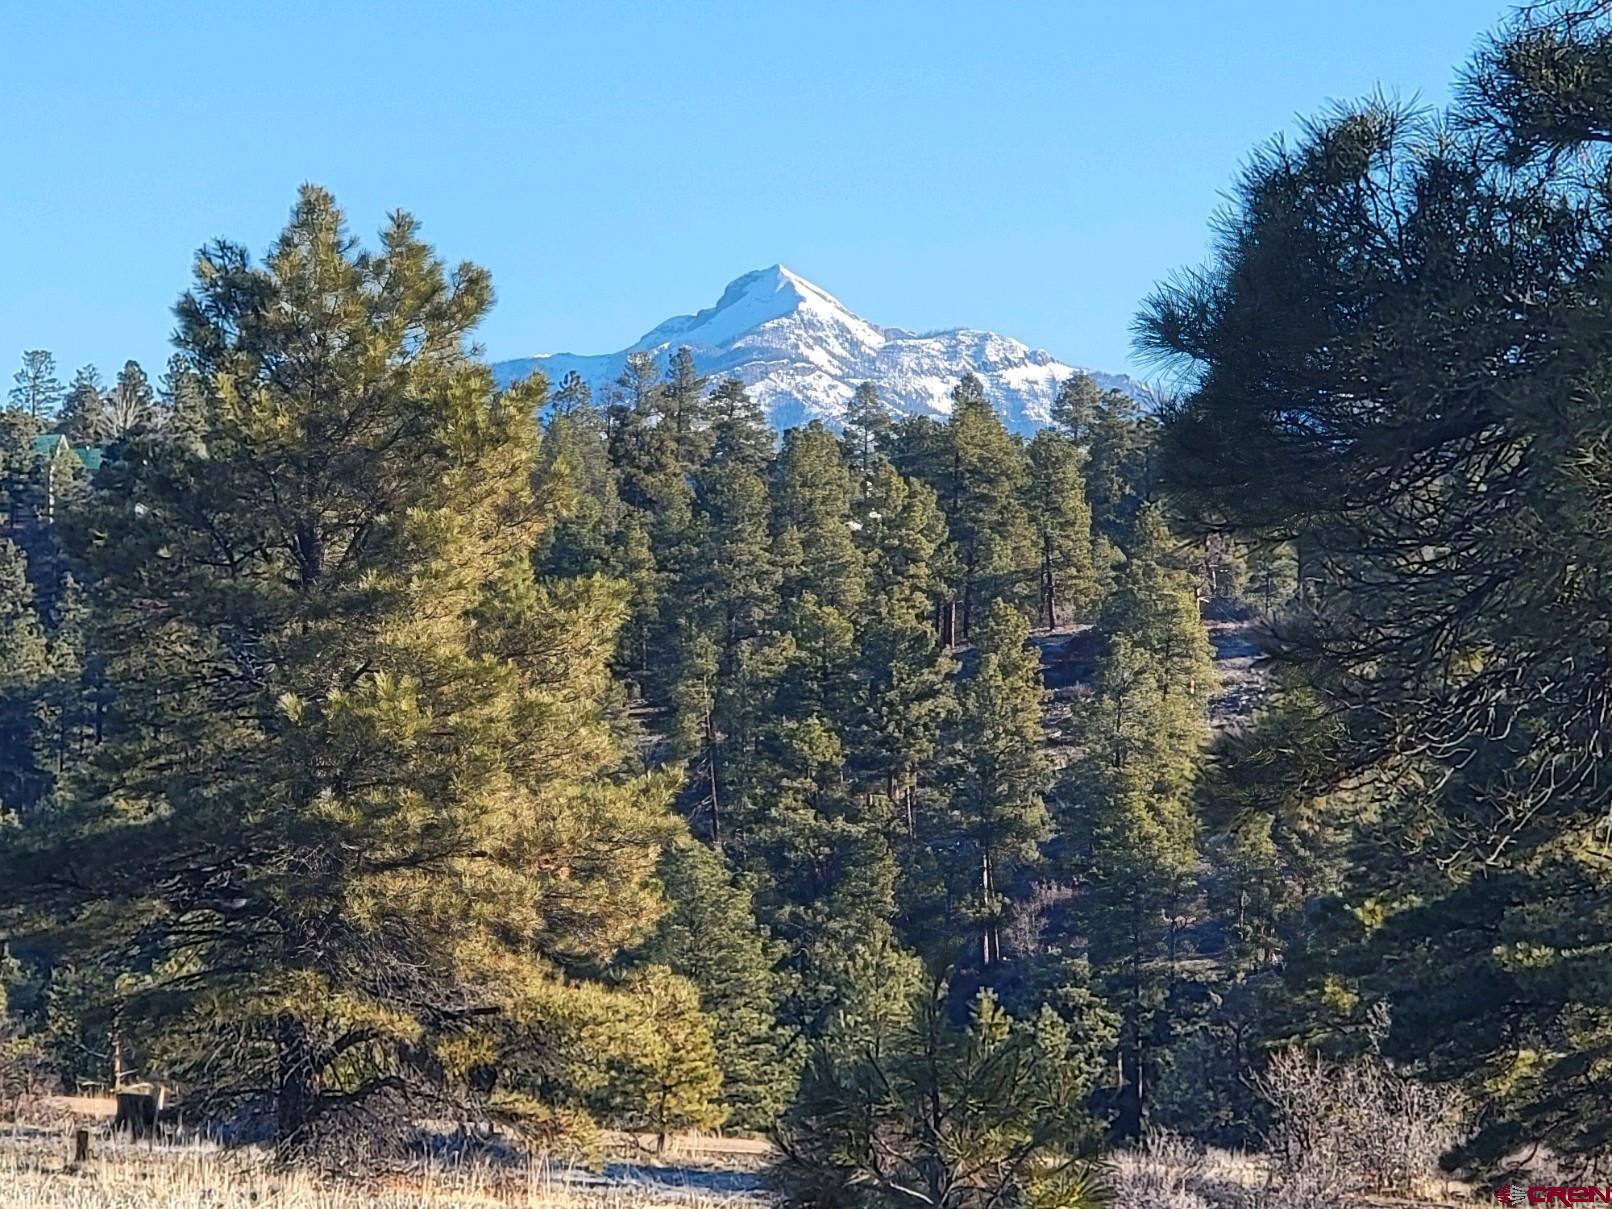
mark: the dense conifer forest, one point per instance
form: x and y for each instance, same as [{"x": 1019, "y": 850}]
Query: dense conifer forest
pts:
[{"x": 378, "y": 746}]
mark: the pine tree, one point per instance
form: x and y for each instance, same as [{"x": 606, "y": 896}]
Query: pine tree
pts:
[
  {"x": 25, "y": 672},
  {"x": 82, "y": 419},
  {"x": 654, "y": 484},
  {"x": 904, "y": 1108},
  {"x": 1118, "y": 441},
  {"x": 739, "y": 431},
  {"x": 571, "y": 395},
  {"x": 982, "y": 490},
  {"x": 1062, "y": 520},
  {"x": 999, "y": 816},
  {"x": 904, "y": 689},
  {"x": 664, "y": 1074},
  {"x": 180, "y": 393},
  {"x": 727, "y": 600},
  {"x": 1367, "y": 387},
  {"x": 710, "y": 936},
  {"x": 813, "y": 510},
  {"x": 683, "y": 410},
  {"x": 867, "y": 430},
  {"x": 575, "y": 475},
  {"x": 37, "y": 391},
  {"x": 357, "y": 808},
  {"x": 827, "y": 871},
  {"x": 1126, "y": 806},
  {"x": 1076, "y": 406}
]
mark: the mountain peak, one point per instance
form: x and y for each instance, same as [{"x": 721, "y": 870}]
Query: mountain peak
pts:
[
  {"x": 749, "y": 301},
  {"x": 779, "y": 285},
  {"x": 802, "y": 352}
]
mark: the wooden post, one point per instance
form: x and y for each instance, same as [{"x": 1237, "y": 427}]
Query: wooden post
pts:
[{"x": 81, "y": 1146}]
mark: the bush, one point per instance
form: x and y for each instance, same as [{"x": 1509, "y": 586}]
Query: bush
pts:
[
  {"x": 1163, "y": 1172},
  {"x": 1359, "y": 1126}
]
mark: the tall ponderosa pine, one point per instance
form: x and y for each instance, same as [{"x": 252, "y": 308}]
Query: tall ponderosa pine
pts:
[
  {"x": 981, "y": 485},
  {"x": 355, "y": 813},
  {"x": 867, "y": 429},
  {"x": 24, "y": 674},
  {"x": 1126, "y": 804},
  {"x": 1400, "y": 362},
  {"x": 904, "y": 693},
  {"x": 998, "y": 814},
  {"x": 83, "y": 413},
  {"x": 1062, "y": 521},
  {"x": 814, "y": 494},
  {"x": 36, "y": 390}
]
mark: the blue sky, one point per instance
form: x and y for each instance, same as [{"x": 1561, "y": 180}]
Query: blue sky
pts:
[{"x": 1027, "y": 167}]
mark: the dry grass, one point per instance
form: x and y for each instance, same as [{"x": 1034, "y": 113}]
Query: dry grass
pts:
[{"x": 35, "y": 1174}]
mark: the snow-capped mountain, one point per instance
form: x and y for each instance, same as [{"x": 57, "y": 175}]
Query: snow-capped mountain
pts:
[{"x": 801, "y": 353}]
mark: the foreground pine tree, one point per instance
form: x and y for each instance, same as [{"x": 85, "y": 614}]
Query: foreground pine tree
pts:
[
  {"x": 901, "y": 1107},
  {"x": 1399, "y": 355},
  {"x": 357, "y": 809}
]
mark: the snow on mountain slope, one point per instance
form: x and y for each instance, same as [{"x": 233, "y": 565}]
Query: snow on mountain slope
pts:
[{"x": 801, "y": 353}]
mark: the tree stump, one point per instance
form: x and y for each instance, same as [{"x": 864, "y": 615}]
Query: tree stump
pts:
[{"x": 81, "y": 1145}]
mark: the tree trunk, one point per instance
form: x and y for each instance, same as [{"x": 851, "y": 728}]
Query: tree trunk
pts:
[
  {"x": 1048, "y": 586},
  {"x": 710, "y": 747},
  {"x": 293, "y": 1102}
]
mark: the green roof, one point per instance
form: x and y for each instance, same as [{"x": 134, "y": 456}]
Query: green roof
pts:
[{"x": 52, "y": 445}]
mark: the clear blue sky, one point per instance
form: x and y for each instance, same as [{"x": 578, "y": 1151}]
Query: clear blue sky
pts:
[{"x": 1027, "y": 167}]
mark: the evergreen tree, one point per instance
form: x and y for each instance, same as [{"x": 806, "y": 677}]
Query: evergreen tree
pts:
[
  {"x": 571, "y": 395},
  {"x": 709, "y": 935},
  {"x": 1075, "y": 407},
  {"x": 739, "y": 432},
  {"x": 36, "y": 390},
  {"x": 683, "y": 410},
  {"x": 918, "y": 446},
  {"x": 982, "y": 490},
  {"x": 814, "y": 493},
  {"x": 654, "y": 484},
  {"x": 1062, "y": 520},
  {"x": 356, "y": 809},
  {"x": 663, "y": 1074},
  {"x": 867, "y": 429},
  {"x": 1126, "y": 803},
  {"x": 727, "y": 601},
  {"x": 24, "y": 674},
  {"x": 83, "y": 413},
  {"x": 1119, "y": 441},
  {"x": 904, "y": 691},
  {"x": 1368, "y": 386},
  {"x": 999, "y": 816},
  {"x": 180, "y": 394},
  {"x": 576, "y": 478},
  {"x": 827, "y": 869},
  {"x": 903, "y": 1108},
  {"x": 20, "y": 468}
]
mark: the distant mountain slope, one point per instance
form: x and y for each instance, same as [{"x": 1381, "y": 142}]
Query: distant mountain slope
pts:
[{"x": 801, "y": 353}]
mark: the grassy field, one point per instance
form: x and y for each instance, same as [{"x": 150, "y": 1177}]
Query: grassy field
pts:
[
  {"x": 134, "y": 1177},
  {"x": 697, "y": 1172},
  {"x": 37, "y": 1172}
]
